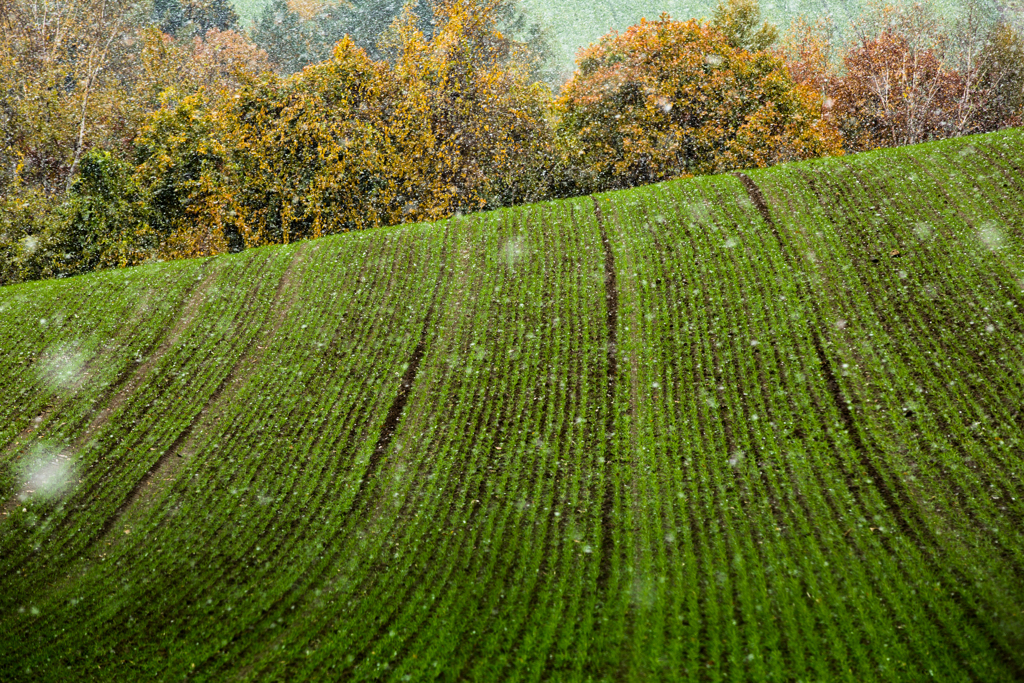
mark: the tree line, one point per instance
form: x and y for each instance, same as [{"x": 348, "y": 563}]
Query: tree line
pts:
[{"x": 132, "y": 132}]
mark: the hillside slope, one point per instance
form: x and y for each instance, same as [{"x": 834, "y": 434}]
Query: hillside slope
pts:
[{"x": 745, "y": 427}]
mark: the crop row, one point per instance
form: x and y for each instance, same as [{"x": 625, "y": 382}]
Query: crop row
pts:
[
  {"x": 880, "y": 249},
  {"x": 111, "y": 454},
  {"x": 737, "y": 368},
  {"x": 951, "y": 433},
  {"x": 47, "y": 360},
  {"x": 223, "y": 472},
  {"x": 471, "y": 527}
]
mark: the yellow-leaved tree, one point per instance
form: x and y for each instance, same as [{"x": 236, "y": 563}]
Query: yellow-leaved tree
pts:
[
  {"x": 455, "y": 124},
  {"x": 68, "y": 74},
  {"x": 278, "y": 159},
  {"x": 185, "y": 170},
  {"x": 314, "y": 153},
  {"x": 472, "y": 126}
]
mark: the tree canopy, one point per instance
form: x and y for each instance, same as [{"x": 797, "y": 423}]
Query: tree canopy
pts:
[
  {"x": 669, "y": 98},
  {"x": 133, "y": 131}
]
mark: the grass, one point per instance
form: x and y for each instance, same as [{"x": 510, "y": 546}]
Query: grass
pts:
[{"x": 761, "y": 426}]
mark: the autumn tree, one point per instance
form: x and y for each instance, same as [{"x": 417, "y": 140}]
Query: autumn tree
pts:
[
  {"x": 808, "y": 50},
  {"x": 367, "y": 22},
  {"x": 184, "y": 168},
  {"x": 454, "y": 125},
  {"x": 911, "y": 76},
  {"x": 472, "y": 127},
  {"x": 1001, "y": 77},
  {"x": 69, "y": 87},
  {"x": 183, "y": 152},
  {"x": 104, "y": 219},
  {"x": 315, "y": 153},
  {"x": 29, "y": 219},
  {"x": 669, "y": 99},
  {"x": 963, "y": 50},
  {"x": 79, "y": 80},
  {"x": 893, "y": 93},
  {"x": 515, "y": 22},
  {"x": 99, "y": 223},
  {"x": 66, "y": 73},
  {"x": 219, "y": 61}
]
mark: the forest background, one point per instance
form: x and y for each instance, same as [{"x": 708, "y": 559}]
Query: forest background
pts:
[{"x": 139, "y": 130}]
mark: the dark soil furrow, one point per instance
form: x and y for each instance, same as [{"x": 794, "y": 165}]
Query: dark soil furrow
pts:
[
  {"x": 890, "y": 322},
  {"x": 824, "y": 487},
  {"x": 905, "y": 512},
  {"x": 766, "y": 430},
  {"x": 612, "y": 326},
  {"x": 833, "y": 387},
  {"x": 387, "y": 430},
  {"x": 496, "y": 427},
  {"x": 485, "y": 418},
  {"x": 246, "y": 361},
  {"x": 1011, "y": 172},
  {"x": 126, "y": 386},
  {"x": 902, "y": 508},
  {"x": 123, "y": 335},
  {"x": 932, "y": 323},
  {"x": 362, "y": 499}
]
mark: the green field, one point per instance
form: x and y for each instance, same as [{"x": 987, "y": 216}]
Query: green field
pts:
[{"x": 760, "y": 427}]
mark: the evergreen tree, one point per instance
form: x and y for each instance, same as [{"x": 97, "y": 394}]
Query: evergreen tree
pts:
[
  {"x": 282, "y": 33},
  {"x": 738, "y": 20},
  {"x": 202, "y": 15},
  {"x": 168, "y": 15},
  {"x": 515, "y": 23},
  {"x": 368, "y": 20},
  {"x": 186, "y": 18},
  {"x": 1002, "y": 69}
]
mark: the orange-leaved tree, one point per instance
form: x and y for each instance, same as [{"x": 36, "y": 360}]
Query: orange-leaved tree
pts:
[
  {"x": 894, "y": 93},
  {"x": 912, "y": 76},
  {"x": 668, "y": 99},
  {"x": 807, "y": 48}
]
